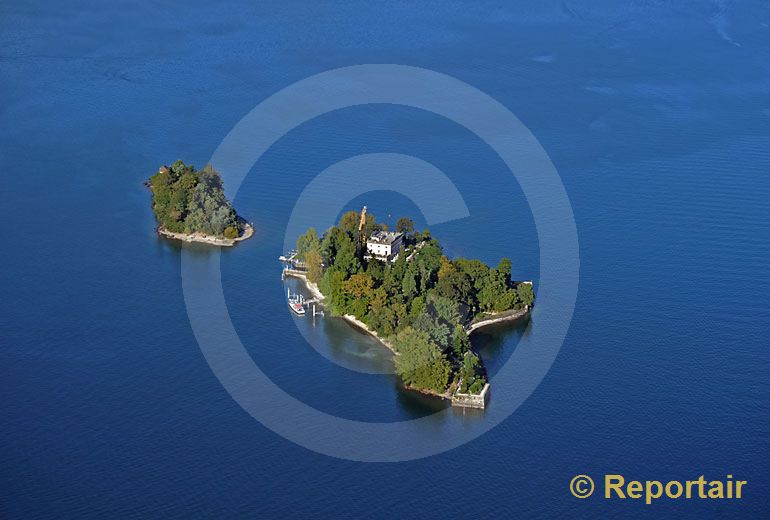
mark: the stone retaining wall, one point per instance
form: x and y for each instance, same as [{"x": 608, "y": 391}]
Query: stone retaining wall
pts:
[{"x": 471, "y": 400}]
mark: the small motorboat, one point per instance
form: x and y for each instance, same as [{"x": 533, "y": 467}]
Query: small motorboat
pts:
[
  {"x": 295, "y": 303},
  {"x": 297, "y": 307}
]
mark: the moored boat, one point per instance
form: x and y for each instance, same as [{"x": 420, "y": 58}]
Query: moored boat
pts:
[
  {"x": 297, "y": 307},
  {"x": 295, "y": 303}
]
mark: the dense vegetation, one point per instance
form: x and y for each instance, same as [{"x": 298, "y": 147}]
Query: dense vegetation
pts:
[
  {"x": 421, "y": 302},
  {"x": 190, "y": 201}
]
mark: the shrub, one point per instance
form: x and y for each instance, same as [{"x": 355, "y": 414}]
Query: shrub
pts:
[{"x": 231, "y": 232}]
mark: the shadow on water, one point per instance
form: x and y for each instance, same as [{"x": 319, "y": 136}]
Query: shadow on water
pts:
[
  {"x": 416, "y": 404},
  {"x": 195, "y": 249},
  {"x": 495, "y": 343},
  {"x": 472, "y": 414}
]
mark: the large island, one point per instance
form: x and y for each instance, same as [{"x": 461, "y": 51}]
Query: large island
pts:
[
  {"x": 399, "y": 286},
  {"x": 190, "y": 205}
]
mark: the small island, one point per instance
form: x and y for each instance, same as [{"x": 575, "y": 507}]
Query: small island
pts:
[
  {"x": 190, "y": 205},
  {"x": 398, "y": 286}
]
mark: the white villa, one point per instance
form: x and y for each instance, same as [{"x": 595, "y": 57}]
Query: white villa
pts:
[{"x": 384, "y": 245}]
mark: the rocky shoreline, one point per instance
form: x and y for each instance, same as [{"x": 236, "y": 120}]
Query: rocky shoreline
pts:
[{"x": 248, "y": 232}]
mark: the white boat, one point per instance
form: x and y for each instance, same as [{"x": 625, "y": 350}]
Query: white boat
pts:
[
  {"x": 296, "y": 307},
  {"x": 295, "y": 303}
]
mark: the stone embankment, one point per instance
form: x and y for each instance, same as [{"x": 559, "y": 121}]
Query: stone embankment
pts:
[{"x": 498, "y": 317}]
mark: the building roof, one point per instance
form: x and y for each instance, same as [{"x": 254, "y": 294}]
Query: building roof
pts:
[{"x": 383, "y": 237}]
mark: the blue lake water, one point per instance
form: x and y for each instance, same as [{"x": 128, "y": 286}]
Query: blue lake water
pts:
[{"x": 657, "y": 118}]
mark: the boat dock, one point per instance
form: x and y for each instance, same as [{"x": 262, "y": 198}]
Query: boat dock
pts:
[
  {"x": 290, "y": 259},
  {"x": 298, "y": 302}
]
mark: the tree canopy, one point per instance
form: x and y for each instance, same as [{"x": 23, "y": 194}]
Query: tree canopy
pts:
[
  {"x": 190, "y": 201},
  {"x": 421, "y": 363}
]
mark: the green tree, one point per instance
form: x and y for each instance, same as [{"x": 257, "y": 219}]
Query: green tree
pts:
[
  {"x": 477, "y": 386},
  {"x": 330, "y": 245},
  {"x": 504, "y": 268},
  {"x": 420, "y": 364},
  {"x": 405, "y": 225},
  {"x": 360, "y": 285},
  {"x": 307, "y": 242},
  {"x": 427, "y": 261},
  {"x": 376, "y": 269},
  {"x": 314, "y": 267},
  {"x": 179, "y": 168},
  {"x": 349, "y": 222},
  {"x": 493, "y": 290},
  {"x": 378, "y": 304},
  {"x": 346, "y": 260},
  {"x": 506, "y": 301},
  {"x": 468, "y": 369},
  {"x": 417, "y": 307},
  {"x": 456, "y": 285},
  {"x": 476, "y": 270},
  {"x": 438, "y": 332},
  {"x": 333, "y": 287},
  {"x": 446, "y": 309},
  {"x": 460, "y": 342},
  {"x": 400, "y": 313},
  {"x": 471, "y": 374},
  {"x": 525, "y": 293},
  {"x": 409, "y": 283}
]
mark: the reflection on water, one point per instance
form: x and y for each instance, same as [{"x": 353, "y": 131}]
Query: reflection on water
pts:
[
  {"x": 339, "y": 341},
  {"x": 495, "y": 343},
  {"x": 416, "y": 404},
  {"x": 349, "y": 345}
]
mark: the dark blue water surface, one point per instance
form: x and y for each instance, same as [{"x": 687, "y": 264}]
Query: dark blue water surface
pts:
[{"x": 657, "y": 118}]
